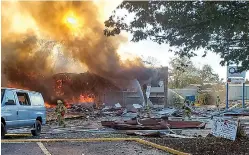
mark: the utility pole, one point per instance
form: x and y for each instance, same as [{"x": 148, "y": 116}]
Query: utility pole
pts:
[{"x": 166, "y": 86}]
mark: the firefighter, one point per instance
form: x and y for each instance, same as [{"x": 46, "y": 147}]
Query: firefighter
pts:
[
  {"x": 60, "y": 111},
  {"x": 187, "y": 110},
  {"x": 218, "y": 102}
]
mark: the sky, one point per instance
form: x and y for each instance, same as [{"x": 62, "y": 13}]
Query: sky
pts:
[{"x": 161, "y": 52}]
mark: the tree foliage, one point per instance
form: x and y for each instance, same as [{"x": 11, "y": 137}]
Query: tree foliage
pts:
[
  {"x": 221, "y": 27},
  {"x": 184, "y": 73},
  {"x": 207, "y": 74}
]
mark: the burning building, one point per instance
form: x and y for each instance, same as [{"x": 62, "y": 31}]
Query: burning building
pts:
[{"x": 47, "y": 51}]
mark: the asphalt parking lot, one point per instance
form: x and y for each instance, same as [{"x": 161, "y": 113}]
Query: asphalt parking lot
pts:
[
  {"x": 20, "y": 146},
  {"x": 79, "y": 148},
  {"x": 21, "y": 149}
]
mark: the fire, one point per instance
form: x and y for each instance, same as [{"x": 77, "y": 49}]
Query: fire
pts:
[
  {"x": 47, "y": 105},
  {"x": 58, "y": 88},
  {"x": 81, "y": 99},
  {"x": 73, "y": 22},
  {"x": 85, "y": 99},
  {"x": 68, "y": 105}
]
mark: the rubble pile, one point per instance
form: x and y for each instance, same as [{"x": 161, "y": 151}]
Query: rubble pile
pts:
[
  {"x": 50, "y": 114},
  {"x": 157, "y": 121},
  {"x": 152, "y": 124},
  {"x": 165, "y": 120},
  {"x": 81, "y": 108},
  {"x": 85, "y": 110},
  {"x": 116, "y": 110}
]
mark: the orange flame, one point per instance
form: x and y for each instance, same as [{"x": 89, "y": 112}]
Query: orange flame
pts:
[
  {"x": 68, "y": 105},
  {"x": 47, "y": 105},
  {"x": 85, "y": 99},
  {"x": 68, "y": 102}
]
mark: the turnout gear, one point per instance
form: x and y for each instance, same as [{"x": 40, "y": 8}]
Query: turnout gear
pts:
[
  {"x": 187, "y": 109},
  {"x": 218, "y": 102},
  {"x": 60, "y": 112}
]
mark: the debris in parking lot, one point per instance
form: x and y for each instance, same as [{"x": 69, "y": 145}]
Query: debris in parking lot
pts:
[
  {"x": 137, "y": 106},
  {"x": 152, "y": 124},
  {"x": 145, "y": 133},
  {"x": 132, "y": 117},
  {"x": 118, "y": 105}
]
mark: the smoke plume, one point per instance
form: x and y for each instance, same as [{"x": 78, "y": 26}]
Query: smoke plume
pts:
[{"x": 30, "y": 47}]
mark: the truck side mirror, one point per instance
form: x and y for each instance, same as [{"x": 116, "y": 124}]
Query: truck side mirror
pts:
[{"x": 10, "y": 102}]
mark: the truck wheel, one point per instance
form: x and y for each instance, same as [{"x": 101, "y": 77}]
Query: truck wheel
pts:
[
  {"x": 37, "y": 128},
  {"x": 3, "y": 130}
]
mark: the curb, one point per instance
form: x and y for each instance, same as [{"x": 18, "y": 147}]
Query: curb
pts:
[
  {"x": 164, "y": 148},
  {"x": 69, "y": 140},
  {"x": 138, "y": 140},
  {"x": 19, "y": 134}
]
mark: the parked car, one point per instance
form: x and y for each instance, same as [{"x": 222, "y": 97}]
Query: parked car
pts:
[{"x": 22, "y": 108}]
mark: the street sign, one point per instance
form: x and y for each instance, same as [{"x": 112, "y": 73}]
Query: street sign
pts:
[
  {"x": 235, "y": 77},
  {"x": 224, "y": 128},
  {"x": 232, "y": 72},
  {"x": 235, "y": 80}
]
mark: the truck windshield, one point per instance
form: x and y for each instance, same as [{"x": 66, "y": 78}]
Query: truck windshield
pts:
[{"x": 2, "y": 94}]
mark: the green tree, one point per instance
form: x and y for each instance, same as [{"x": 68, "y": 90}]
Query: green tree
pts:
[
  {"x": 182, "y": 73},
  {"x": 220, "y": 27},
  {"x": 207, "y": 75}
]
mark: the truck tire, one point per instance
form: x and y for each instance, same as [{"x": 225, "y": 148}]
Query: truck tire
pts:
[
  {"x": 37, "y": 128},
  {"x": 3, "y": 130}
]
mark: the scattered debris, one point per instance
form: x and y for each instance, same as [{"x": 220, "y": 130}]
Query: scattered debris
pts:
[
  {"x": 137, "y": 106},
  {"x": 118, "y": 105},
  {"x": 152, "y": 124},
  {"x": 165, "y": 112},
  {"x": 145, "y": 133},
  {"x": 170, "y": 120}
]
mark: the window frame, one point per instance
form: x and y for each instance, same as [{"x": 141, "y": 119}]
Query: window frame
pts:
[
  {"x": 6, "y": 100},
  {"x": 2, "y": 93},
  {"x": 26, "y": 96}
]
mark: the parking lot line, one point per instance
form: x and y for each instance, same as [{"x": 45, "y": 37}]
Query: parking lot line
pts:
[
  {"x": 43, "y": 148},
  {"x": 69, "y": 140},
  {"x": 19, "y": 134},
  {"x": 138, "y": 140}
]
